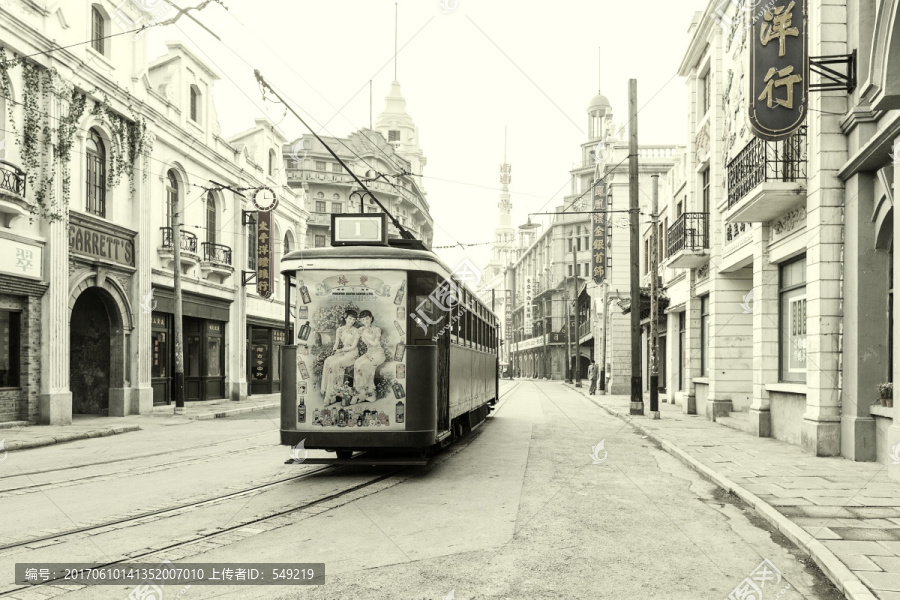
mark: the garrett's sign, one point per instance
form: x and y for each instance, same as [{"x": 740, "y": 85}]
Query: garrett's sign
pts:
[
  {"x": 779, "y": 70},
  {"x": 99, "y": 241}
]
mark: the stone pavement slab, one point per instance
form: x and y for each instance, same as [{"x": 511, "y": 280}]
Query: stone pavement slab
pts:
[
  {"x": 834, "y": 509},
  {"x": 22, "y": 436}
]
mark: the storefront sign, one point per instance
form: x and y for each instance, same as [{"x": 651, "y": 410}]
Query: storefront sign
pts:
[
  {"x": 20, "y": 259},
  {"x": 508, "y": 314},
  {"x": 86, "y": 240},
  {"x": 598, "y": 234},
  {"x": 529, "y": 298},
  {"x": 779, "y": 70},
  {"x": 265, "y": 201}
]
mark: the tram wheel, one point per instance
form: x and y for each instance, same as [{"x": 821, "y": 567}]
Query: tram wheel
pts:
[{"x": 344, "y": 454}]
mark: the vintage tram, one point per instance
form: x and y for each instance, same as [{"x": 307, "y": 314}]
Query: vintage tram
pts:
[{"x": 392, "y": 351}]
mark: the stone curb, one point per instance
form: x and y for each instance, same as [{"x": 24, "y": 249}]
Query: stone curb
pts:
[
  {"x": 68, "y": 437},
  {"x": 841, "y": 576},
  {"x": 234, "y": 411}
]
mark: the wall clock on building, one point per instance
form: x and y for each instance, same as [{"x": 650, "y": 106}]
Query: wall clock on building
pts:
[{"x": 265, "y": 200}]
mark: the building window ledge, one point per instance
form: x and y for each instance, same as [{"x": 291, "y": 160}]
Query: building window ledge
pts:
[
  {"x": 787, "y": 388},
  {"x": 702, "y": 380},
  {"x": 882, "y": 411}
]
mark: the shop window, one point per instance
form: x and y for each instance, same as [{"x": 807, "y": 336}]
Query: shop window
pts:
[
  {"x": 704, "y": 336},
  {"x": 792, "y": 318},
  {"x": 10, "y": 339},
  {"x": 96, "y": 175}
]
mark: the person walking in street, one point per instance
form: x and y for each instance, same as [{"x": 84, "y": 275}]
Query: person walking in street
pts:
[{"x": 592, "y": 375}]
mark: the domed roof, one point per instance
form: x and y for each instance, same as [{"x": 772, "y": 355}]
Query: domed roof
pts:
[{"x": 599, "y": 101}]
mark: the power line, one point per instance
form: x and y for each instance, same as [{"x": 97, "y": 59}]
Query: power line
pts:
[{"x": 105, "y": 37}]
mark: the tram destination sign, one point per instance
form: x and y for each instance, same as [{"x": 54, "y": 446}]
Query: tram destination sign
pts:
[{"x": 779, "y": 70}]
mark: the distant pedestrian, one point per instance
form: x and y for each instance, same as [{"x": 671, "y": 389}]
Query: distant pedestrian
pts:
[{"x": 593, "y": 372}]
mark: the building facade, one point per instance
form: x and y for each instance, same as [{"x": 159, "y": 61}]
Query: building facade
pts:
[
  {"x": 135, "y": 145},
  {"x": 391, "y": 150},
  {"x": 782, "y": 251}
]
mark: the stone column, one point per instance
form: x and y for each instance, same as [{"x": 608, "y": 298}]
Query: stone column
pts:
[
  {"x": 237, "y": 340},
  {"x": 730, "y": 334},
  {"x": 691, "y": 363},
  {"x": 55, "y": 403},
  {"x": 141, "y": 386},
  {"x": 765, "y": 332},
  {"x": 865, "y": 288},
  {"x": 827, "y": 150},
  {"x": 893, "y": 433}
]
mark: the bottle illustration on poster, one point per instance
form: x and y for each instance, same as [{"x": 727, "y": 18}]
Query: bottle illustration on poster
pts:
[
  {"x": 304, "y": 332},
  {"x": 304, "y": 293}
]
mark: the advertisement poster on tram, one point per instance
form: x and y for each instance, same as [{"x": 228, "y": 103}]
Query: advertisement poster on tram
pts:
[{"x": 351, "y": 352}]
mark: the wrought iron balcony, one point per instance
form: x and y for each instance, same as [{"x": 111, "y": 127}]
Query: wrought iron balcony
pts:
[
  {"x": 216, "y": 253},
  {"x": 688, "y": 241},
  {"x": 12, "y": 179},
  {"x": 766, "y": 179},
  {"x": 188, "y": 240}
]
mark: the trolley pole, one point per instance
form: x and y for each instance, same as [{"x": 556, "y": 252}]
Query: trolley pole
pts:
[
  {"x": 637, "y": 396},
  {"x": 577, "y": 340},
  {"x": 654, "y": 303},
  {"x": 178, "y": 383}
]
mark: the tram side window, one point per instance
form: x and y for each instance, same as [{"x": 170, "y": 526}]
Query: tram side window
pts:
[
  {"x": 481, "y": 334},
  {"x": 421, "y": 285}
]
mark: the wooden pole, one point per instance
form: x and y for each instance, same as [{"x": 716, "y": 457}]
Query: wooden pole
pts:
[
  {"x": 654, "y": 303},
  {"x": 575, "y": 334},
  {"x": 178, "y": 392},
  {"x": 637, "y": 396}
]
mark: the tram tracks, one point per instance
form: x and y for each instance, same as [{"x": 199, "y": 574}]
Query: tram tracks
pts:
[
  {"x": 128, "y": 472},
  {"x": 201, "y": 537}
]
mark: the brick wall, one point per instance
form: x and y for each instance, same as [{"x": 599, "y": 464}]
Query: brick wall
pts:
[{"x": 22, "y": 404}]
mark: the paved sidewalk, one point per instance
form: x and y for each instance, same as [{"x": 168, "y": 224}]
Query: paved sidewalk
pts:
[
  {"x": 22, "y": 437},
  {"x": 845, "y": 514}
]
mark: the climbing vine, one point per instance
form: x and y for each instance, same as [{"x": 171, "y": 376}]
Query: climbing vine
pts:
[{"x": 45, "y": 142}]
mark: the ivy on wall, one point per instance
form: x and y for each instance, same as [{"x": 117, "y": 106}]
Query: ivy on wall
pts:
[{"x": 45, "y": 141}]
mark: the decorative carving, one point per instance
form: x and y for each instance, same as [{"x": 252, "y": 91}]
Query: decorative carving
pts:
[
  {"x": 702, "y": 142},
  {"x": 789, "y": 221},
  {"x": 703, "y": 272}
]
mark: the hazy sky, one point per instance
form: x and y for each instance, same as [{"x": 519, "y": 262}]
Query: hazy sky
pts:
[{"x": 467, "y": 69}]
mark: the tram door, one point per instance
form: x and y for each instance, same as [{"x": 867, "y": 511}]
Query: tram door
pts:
[{"x": 443, "y": 383}]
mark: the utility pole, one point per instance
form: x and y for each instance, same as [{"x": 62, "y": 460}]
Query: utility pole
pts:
[
  {"x": 179, "y": 333},
  {"x": 654, "y": 303},
  {"x": 575, "y": 333},
  {"x": 568, "y": 334},
  {"x": 637, "y": 396}
]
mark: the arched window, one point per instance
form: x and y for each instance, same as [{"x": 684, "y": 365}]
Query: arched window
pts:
[
  {"x": 96, "y": 175},
  {"x": 210, "y": 218},
  {"x": 271, "y": 163},
  {"x": 287, "y": 243},
  {"x": 98, "y": 30},
  {"x": 171, "y": 199},
  {"x": 195, "y": 104}
]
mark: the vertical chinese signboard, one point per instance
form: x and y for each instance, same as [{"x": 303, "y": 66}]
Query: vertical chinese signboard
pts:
[
  {"x": 265, "y": 201},
  {"x": 598, "y": 234},
  {"x": 779, "y": 70},
  {"x": 508, "y": 326},
  {"x": 529, "y": 298}
]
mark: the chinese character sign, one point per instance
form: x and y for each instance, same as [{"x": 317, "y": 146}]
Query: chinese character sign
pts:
[
  {"x": 779, "y": 73},
  {"x": 508, "y": 314},
  {"x": 529, "y": 297},
  {"x": 263, "y": 243},
  {"x": 598, "y": 235}
]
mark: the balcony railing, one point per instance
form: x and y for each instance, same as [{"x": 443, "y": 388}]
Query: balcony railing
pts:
[
  {"x": 761, "y": 161},
  {"x": 216, "y": 253},
  {"x": 188, "y": 240},
  {"x": 12, "y": 179},
  {"x": 689, "y": 232}
]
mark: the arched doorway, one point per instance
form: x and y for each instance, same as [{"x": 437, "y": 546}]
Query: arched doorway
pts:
[{"x": 91, "y": 328}]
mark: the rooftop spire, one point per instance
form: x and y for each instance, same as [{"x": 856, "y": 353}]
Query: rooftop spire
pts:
[{"x": 395, "y": 40}]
